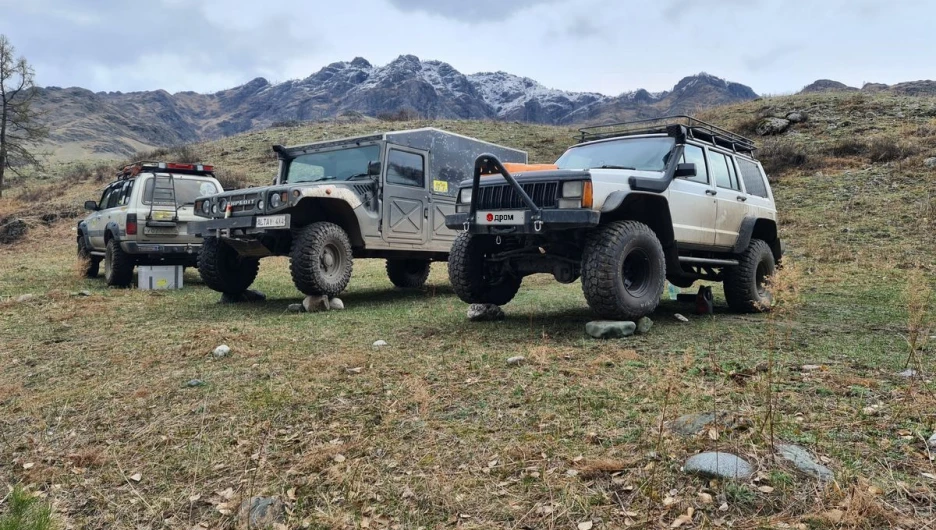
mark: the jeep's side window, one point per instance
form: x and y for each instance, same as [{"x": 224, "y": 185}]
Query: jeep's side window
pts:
[
  {"x": 753, "y": 179},
  {"x": 694, "y": 155},
  {"x": 407, "y": 169},
  {"x": 724, "y": 178}
]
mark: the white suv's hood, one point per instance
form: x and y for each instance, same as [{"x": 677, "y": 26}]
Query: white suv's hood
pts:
[{"x": 607, "y": 181}]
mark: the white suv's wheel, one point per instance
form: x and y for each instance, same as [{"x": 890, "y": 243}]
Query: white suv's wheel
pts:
[{"x": 746, "y": 284}]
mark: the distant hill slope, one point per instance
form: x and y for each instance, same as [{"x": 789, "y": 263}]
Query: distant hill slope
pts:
[
  {"x": 909, "y": 88},
  {"x": 109, "y": 124}
]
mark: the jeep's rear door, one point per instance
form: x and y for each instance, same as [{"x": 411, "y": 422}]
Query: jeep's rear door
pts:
[
  {"x": 693, "y": 202},
  {"x": 405, "y": 197},
  {"x": 732, "y": 201}
]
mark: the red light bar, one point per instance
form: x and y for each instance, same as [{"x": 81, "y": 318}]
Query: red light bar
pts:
[{"x": 180, "y": 166}]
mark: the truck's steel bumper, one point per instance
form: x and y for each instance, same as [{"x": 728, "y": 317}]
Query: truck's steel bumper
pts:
[
  {"x": 550, "y": 220},
  {"x": 132, "y": 247},
  {"x": 245, "y": 225}
]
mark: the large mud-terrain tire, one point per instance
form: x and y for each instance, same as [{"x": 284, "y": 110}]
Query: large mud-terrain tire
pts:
[
  {"x": 90, "y": 265},
  {"x": 746, "y": 284},
  {"x": 471, "y": 278},
  {"x": 118, "y": 265},
  {"x": 321, "y": 259},
  {"x": 222, "y": 269},
  {"x": 408, "y": 273},
  {"x": 623, "y": 270}
]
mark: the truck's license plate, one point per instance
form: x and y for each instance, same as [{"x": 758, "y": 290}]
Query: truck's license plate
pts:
[
  {"x": 158, "y": 231},
  {"x": 501, "y": 217},
  {"x": 271, "y": 221}
]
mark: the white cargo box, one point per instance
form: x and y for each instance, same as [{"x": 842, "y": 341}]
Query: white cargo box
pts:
[{"x": 159, "y": 277}]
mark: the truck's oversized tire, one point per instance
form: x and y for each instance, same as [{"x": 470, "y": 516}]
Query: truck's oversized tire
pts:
[
  {"x": 222, "y": 269},
  {"x": 321, "y": 259},
  {"x": 118, "y": 265},
  {"x": 408, "y": 273},
  {"x": 746, "y": 283},
  {"x": 90, "y": 265},
  {"x": 471, "y": 278},
  {"x": 623, "y": 270}
]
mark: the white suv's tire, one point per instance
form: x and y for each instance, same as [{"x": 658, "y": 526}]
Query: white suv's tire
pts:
[
  {"x": 746, "y": 284},
  {"x": 623, "y": 270},
  {"x": 118, "y": 265}
]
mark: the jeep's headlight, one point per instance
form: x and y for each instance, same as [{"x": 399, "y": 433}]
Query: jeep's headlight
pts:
[
  {"x": 206, "y": 207},
  {"x": 572, "y": 189},
  {"x": 576, "y": 194},
  {"x": 464, "y": 196},
  {"x": 275, "y": 200}
]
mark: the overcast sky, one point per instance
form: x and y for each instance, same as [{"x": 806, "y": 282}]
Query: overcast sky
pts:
[{"x": 607, "y": 46}]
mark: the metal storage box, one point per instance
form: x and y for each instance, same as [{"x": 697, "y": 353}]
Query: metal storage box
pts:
[{"x": 159, "y": 277}]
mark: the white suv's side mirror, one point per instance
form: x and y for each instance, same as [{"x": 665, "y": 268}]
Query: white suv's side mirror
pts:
[{"x": 686, "y": 170}]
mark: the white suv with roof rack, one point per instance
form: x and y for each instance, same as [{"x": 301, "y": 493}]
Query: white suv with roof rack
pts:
[
  {"x": 630, "y": 206},
  {"x": 142, "y": 219}
]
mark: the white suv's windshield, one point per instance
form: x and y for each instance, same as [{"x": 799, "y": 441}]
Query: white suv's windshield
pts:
[
  {"x": 343, "y": 164},
  {"x": 645, "y": 154},
  {"x": 186, "y": 190}
]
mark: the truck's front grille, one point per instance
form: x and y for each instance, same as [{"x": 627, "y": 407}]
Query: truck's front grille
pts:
[
  {"x": 504, "y": 197},
  {"x": 243, "y": 202}
]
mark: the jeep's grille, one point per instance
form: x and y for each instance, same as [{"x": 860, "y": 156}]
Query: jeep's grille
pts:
[
  {"x": 243, "y": 202},
  {"x": 504, "y": 197}
]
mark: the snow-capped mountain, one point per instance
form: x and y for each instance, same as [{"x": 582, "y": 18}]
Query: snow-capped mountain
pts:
[{"x": 116, "y": 122}]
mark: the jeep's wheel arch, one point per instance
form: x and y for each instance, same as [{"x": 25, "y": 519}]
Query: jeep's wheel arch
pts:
[
  {"x": 649, "y": 209},
  {"x": 336, "y": 211}
]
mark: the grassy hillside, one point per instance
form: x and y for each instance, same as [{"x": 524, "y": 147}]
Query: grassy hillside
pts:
[{"x": 437, "y": 431}]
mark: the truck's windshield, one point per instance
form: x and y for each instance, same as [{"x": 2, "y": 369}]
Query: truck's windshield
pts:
[
  {"x": 342, "y": 164},
  {"x": 645, "y": 154}
]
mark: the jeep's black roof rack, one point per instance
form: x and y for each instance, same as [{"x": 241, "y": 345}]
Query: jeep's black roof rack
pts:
[
  {"x": 694, "y": 128},
  {"x": 132, "y": 170}
]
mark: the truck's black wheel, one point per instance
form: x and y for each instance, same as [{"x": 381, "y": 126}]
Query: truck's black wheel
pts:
[
  {"x": 321, "y": 259},
  {"x": 472, "y": 279},
  {"x": 408, "y": 273},
  {"x": 118, "y": 265},
  {"x": 746, "y": 284},
  {"x": 90, "y": 265},
  {"x": 223, "y": 270},
  {"x": 623, "y": 269}
]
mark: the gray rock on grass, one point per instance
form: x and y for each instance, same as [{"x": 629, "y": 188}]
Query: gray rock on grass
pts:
[
  {"x": 719, "y": 465},
  {"x": 930, "y": 162},
  {"x": 772, "y": 126},
  {"x": 263, "y": 512},
  {"x": 644, "y": 325},
  {"x": 221, "y": 351},
  {"x": 315, "y": 304},
  {"x": 23, "y": 298},
  {"x": 804, "y": 461},
  {"x": 193, "y": 383},
  {"x": 485, "y": 313},
  {"x": 380, "y": 344},
  {"x": 691, "y": 424},
  {"x": 932, "y": 442},
  {"x": 516, "y": 360},
  {"x": 609, "y": 329}
]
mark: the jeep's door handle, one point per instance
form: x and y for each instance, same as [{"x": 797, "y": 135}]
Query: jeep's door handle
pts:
[
  {"x": 426, "y": 213},
  {"x": 742, "y": 198},
  {"x": 711, "y": 192}
]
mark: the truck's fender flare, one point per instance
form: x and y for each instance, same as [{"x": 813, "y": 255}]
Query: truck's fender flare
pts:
[
  {"x": 112, "y": 231},
  {"x": 744, "y": 235},
  {"x": 614, "y": 201},
  {"x": 84, "y": 233}
]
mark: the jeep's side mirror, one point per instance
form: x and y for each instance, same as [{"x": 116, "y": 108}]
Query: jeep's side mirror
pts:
[
  {"x": 90, "y": 205},
  {"x": 686, "y": 170},
  {"x": 373, "y": 169}
]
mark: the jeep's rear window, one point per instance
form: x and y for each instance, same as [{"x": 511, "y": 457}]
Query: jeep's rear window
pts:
[
  {"x": 645, "y": 154},
  {"x": 186, "y": 190},
  {"x": 342, "y": 164},
  {"x": 752, "y": 177}
]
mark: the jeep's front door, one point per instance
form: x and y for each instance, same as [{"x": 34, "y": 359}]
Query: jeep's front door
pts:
[
  {"x": 405, "y": 197},
  {"x": 692, "y": 202}
]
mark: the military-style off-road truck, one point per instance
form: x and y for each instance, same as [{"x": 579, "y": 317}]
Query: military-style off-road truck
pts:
[
  {"x": 631, "y": 205},
  {"x": 378, "y": 196},
  {"x": 143, "y": 219}
]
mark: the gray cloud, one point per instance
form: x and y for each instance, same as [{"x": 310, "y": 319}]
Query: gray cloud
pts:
[
  {"x": 677, "y": 10},
  {"x": 469, "y": 10},
  {"x": 770, "y": 58}
]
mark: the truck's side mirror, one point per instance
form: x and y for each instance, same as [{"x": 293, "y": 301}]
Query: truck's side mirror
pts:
[
  {"x": 373, "y": 169},
  {"x": 686, "y": 170},
  {"x": 90, "y": 205}
]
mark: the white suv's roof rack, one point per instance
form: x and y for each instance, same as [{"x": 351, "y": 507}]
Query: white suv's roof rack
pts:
[
  {"x": 694, "y": 128},
  {"x": 132, "y": 170}
]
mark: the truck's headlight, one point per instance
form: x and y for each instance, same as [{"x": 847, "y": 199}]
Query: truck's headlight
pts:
[
  {"x": 464, "y": 196},
  {"x": 572, "y": 189},
  {"x": 206, "y": 207},
  {"x": 275, "y": 200}
]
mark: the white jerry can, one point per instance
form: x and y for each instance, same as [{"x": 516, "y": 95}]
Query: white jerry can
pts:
[{"x": 151, "y": 277}]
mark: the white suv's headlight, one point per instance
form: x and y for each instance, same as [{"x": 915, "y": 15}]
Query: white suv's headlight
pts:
[
  {"x": 572, "y": 189},
  {"x": 464, "y": 196}
]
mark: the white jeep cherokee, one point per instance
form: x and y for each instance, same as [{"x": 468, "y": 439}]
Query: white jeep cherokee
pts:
[
  {"x": 142, "y": 219},
  {"x": 628, "y": 207}
]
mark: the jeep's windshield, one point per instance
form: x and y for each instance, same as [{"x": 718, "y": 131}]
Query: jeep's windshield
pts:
[
  {"x": 341, "y": 164},
  {"x": 186, "y": 190},
  {"x": 645, "y": 154}
]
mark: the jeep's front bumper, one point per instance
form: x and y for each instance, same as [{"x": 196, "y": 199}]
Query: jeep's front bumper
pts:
[
  {"x": 244, "y": 225},
  {"x": 550, "y": 220}
]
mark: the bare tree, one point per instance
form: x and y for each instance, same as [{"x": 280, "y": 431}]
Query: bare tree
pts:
[{"x": 20, "y": 128}]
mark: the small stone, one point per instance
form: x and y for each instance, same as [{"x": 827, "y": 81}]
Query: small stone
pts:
[
  {"x": 192, "y": 383},
  {"x": 23, "y": 298},
  {"x": 644, "y": 325},
  {"x": 295, "y": 308},
  {"x": 608, "y": 329},
  {"x": 250, "y": 295},
  {"x": 380, "y": 344},
  {"x": 932, "y": 442},
  {"x": 516, "y": 360},
  {"x": 680, "y": 318},
  {"x": 485, "y": 313},
  {"x": 81, "y": 293},
  {"x": 810, "y": 367},
  {"x": 804, "y": 462},
  {"x": 315, "y": 304},
  {"x": 719, "y": 465},
  {"x": 263, "y": 512},
  {"x": 691, "y": 424},
  {"x": 772, "y": 126},
  {"x": 930, "y": 162},
  {"x": 335, "y": 304},
  {"x": 796, "y": 117},
  {"x": 221, "y": 351},
  {"x": 908, "y": 373}
]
